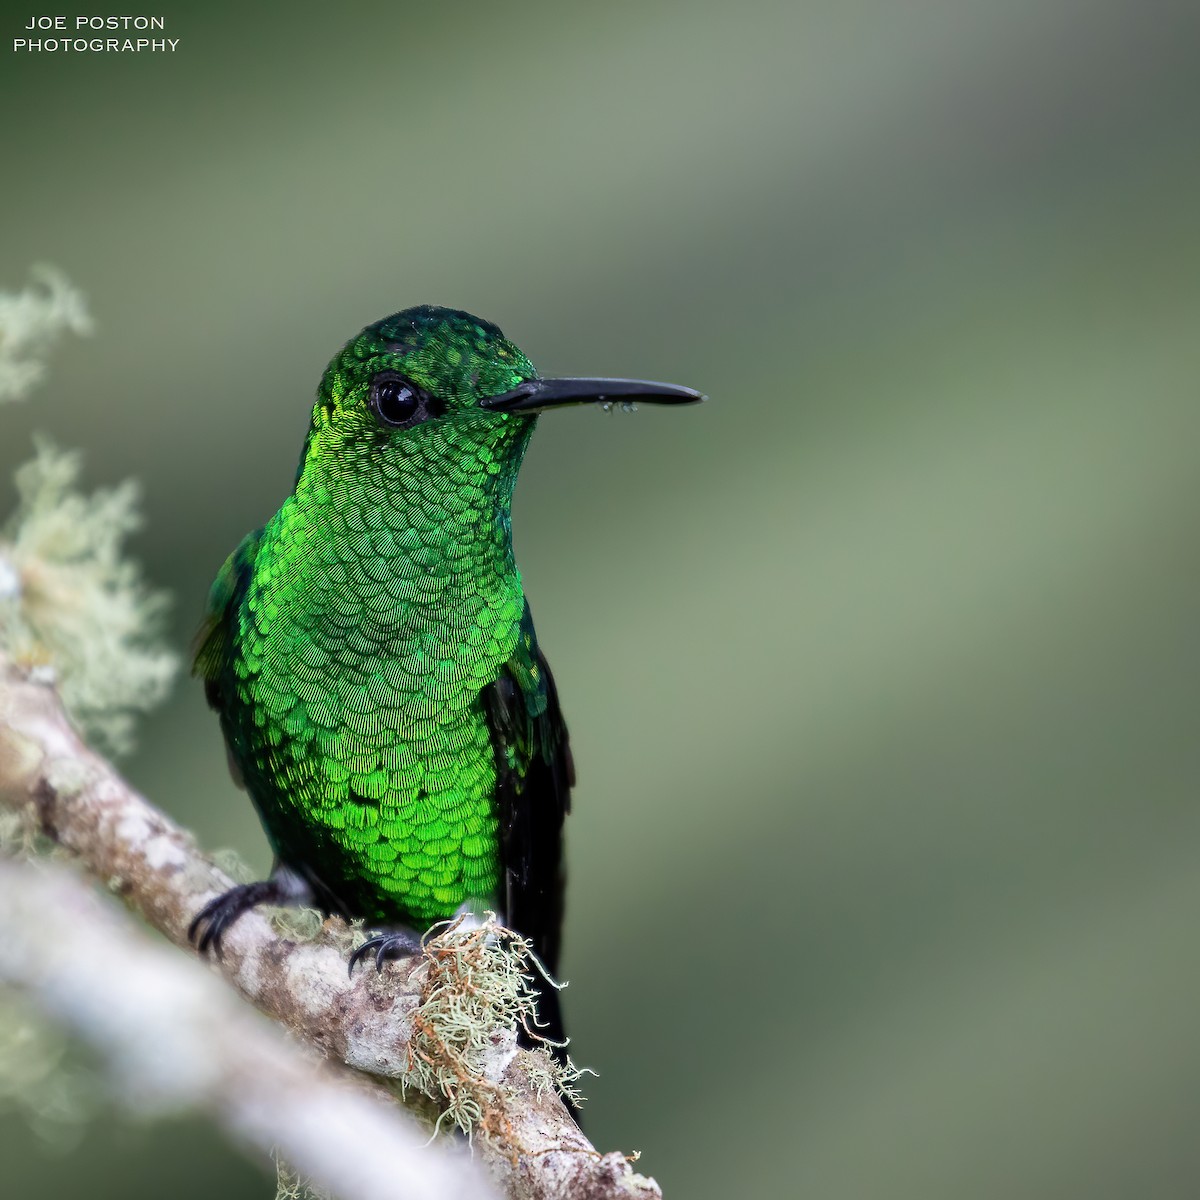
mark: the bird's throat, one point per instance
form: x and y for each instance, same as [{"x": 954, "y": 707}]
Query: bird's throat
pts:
[{"x": 403, "y": 555}]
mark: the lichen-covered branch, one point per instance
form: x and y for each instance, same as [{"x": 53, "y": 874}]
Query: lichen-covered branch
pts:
[
  {"x": 79, "y": 801},
  {"x": 173, "y": 1038}
]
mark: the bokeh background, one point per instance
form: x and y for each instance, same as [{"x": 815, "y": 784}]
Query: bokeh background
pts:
[{"x": 881, "y": 667}]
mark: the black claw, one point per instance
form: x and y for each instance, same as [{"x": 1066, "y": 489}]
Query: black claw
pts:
[
  {"x": 217, "y": 915},
  {"x": 398, "y": 943},
  {"x": 357, "y": 955}
]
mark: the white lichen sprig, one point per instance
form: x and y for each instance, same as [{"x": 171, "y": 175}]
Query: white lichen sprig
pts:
[
  {"x": 71, "y": 604},
  {"x": 477, "y": 993},
  {"x": 30, "y": 322}
]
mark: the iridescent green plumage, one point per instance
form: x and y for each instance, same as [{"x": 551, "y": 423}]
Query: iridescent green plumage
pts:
[{"x": 371, "y": 654}]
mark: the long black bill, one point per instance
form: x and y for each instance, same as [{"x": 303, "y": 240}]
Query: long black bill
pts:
[{"x": 534, "y": 395}]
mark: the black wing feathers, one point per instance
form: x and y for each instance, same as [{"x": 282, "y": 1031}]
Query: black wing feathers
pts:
[{"x": 533, "y": 793}]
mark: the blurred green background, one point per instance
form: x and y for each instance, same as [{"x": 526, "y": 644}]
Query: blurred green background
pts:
[{"x": 880, "y": 667}]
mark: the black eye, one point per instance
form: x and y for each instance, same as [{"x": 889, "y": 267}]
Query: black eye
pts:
[{"x": 398, "y": 401}]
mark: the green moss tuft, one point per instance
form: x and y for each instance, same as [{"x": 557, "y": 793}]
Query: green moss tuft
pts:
[{"x": 478, "y": 991}]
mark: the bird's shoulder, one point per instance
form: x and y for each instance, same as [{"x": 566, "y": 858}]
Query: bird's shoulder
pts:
[{"x": 215, "y": 638}]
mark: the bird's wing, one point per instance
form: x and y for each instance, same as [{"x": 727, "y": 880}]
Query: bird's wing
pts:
[
  {"x": 535, "y": 775},
  {"x": 215, "y": 638}
]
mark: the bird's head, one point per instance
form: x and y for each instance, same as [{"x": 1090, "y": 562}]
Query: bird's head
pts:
[
  {"x": 437, "y": 389},
  {"x": 417, "y": 368}
]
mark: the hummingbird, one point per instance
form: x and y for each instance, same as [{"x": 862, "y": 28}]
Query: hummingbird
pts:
[{"x": 372, "y": 658}]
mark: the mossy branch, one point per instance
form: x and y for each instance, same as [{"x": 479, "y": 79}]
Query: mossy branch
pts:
[{"x": 78, "y": 800}]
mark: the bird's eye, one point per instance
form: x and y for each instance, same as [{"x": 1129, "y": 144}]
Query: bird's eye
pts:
[{"x": 398, "y": 401}]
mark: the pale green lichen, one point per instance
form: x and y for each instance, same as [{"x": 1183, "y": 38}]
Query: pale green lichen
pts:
[
  {"x": 291, "y": 1185},
  {"x": 233, "y": 864},
  {"x": 20, "y": 836},
  {"x": 39, "y": 1076},
  {"x": 75, "y": 604},
  {"x": 30, "y": 322},
  {"x": 478, "y": 991},
  {"x": 297, "y": 923},
  {"x": 73, "y": 608}
]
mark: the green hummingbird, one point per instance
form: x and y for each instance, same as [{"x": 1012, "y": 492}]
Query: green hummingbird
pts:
[{"x": 372, "y": 657}]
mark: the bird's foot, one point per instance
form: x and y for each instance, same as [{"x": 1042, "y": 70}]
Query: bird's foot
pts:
[
  {"x": 396, "y": 943},
  {"x": 209, "y": 925}
]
